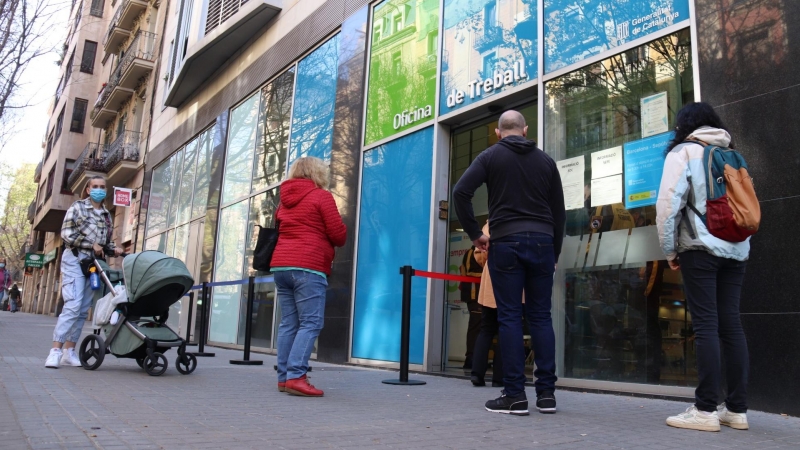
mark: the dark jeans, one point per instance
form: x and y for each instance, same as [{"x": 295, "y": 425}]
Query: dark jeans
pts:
[
  {"x": 480, "y": 358},
  {"x": 516, "y": 262},
  {"x": 473, "y": 327},
  {"x": 713, "y": 288}
]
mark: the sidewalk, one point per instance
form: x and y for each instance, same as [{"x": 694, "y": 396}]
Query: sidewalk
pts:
[{"x": 222, "y": 406}]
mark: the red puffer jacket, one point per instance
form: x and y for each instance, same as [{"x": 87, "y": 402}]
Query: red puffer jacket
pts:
[{"x": 309, "y": 227}]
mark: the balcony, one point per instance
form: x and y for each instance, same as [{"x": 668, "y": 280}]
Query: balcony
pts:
[
  {"x": 206, "y": 56},
  {"x": 37, "y": 175},
  {"x": 122, "y": 158},
  {"x": 138, "y": 60},
  {"x": 426, "y": 64},
  {"x": 100, "y": 115},
  {"x": 32, "y": 211},
  {"x": 88, "y": 164},
  {"x": 120, "y": 26},
  {"x": 492, "y": 37}
]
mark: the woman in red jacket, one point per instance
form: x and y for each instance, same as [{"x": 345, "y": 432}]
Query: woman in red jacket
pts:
[{"x": 309, "y": 228}]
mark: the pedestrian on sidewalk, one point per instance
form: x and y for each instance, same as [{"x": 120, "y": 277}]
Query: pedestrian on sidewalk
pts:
[
  {"x": 5, "y": 283},
  {"x": 13, "y": 295},
  {"x": 86, "y": 232},
  {"x": 527, "y": 220},
  {"x": 712, "y": 269},
  {"x": 309, "y": 227},
  {"x": 489, "y": 328}
]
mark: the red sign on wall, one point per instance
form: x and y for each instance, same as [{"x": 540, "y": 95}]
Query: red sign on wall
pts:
[{"x": 122, "y": 197}]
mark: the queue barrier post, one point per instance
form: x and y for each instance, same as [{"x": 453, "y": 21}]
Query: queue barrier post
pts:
[
  {"x": 201, "y": 341},
  {"x": 248, "y": 325},
  {"x": 405, "y": 331},
  {"x": 189, "y": 318}
]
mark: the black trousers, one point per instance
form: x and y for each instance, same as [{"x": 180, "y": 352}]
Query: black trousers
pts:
[
  {"x": 480, "y": 358},
  {"x": 473, "y": 327},
  {"x": 713, "y": 289}
]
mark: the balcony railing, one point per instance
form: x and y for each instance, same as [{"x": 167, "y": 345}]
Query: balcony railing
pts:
[
  {"x": 32, "y": 211},
  {"x": 492, "y": 37},
  {"x": 37, "y": 174},
  {"x": 101, "y": 99},
  {"x": 427, "y": 64},
  {"x": 124, "y": 148},
  {"x": 139, "y": 54},
  {"x": 91, "y": 159},
  {"x": 113, "y": 24}
]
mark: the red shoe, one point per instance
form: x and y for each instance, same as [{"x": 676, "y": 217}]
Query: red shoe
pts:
[
  {"x": 300, "y": 386},
  {"x": 281, "y": 386}
]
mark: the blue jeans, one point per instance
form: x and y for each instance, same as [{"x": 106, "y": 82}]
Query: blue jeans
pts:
[
  {"x": 302, "y": 299},
  {"x": 524, "y": 261},
  {"x": 713, "y": 288},
  {"x": 78, "y": 297}
]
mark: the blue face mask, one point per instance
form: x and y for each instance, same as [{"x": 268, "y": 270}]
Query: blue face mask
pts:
[{"x": 98, "y": 195}]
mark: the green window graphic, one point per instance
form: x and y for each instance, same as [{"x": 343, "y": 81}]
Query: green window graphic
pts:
[{"x": 402, "y": 70}]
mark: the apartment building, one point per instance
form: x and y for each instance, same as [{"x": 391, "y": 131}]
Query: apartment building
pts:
[{"x": 97, "y": 126}]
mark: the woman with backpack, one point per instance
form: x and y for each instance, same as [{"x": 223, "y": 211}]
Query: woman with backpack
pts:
[{"x": 712, "y": 268}]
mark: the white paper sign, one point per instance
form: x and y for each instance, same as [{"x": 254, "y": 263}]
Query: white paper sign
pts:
[
  {"x": 571, "y": 171},
  {"x": 607, "y": 191},
  {"x": 607, "y": 162},
  {"x": 655, "y": 115}
]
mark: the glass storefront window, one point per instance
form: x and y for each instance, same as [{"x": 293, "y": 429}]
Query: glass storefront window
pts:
[
  {"x": 315, "y": 99},
  {"x": 466, "y": 144},
  {"x": 186, "y": 184},
  {"x": 177, "y": 170},
  {"x": 273, "y": 131},
  {"x": 240, "y": 151},
  {"x": 622, "y": 316},
  {"x": 228, "y": 263},
  {"x": 160, "y": 195},
  {"x": 205, "y": 146}
]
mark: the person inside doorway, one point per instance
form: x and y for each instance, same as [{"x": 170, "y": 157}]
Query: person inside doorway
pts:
[
  {"x": 86, "y": 232},
  {"x": 471, "y": 267},
  {"x": 527, "y": 220}
]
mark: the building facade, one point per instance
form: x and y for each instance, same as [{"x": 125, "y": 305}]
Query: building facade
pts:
[{"x": 399, "y": 96}]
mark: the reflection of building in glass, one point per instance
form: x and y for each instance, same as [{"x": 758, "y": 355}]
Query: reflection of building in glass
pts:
[
  {"x": 403, "y": 61},
  {"x": 481, "y": 38}
]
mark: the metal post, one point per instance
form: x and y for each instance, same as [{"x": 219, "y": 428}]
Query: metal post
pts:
[
  {"x": 248, "y": 325},
  {"x": 201, "y": 340},
  {"x": 189, "y": 318},
  {"x": 405, "y": 331}
]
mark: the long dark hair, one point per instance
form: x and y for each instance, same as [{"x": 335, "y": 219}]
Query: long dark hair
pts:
[{"x": 690, "y": 118}]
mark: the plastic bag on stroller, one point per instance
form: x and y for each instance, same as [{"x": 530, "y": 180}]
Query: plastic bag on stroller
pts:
[{"x": 106, "y": 306}]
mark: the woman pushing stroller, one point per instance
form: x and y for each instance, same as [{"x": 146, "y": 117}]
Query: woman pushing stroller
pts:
[{"x": 86, "y": 231}]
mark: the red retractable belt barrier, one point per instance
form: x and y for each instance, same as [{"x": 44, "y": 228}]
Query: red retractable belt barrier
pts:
[{"x": 445, "y": 276}]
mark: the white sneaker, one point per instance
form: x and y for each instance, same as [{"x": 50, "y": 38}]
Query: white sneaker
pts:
[
  {"x": 70, "y": 358},
  {"x": 737, "y": 421},
  {"x": 694, "y": 419},
  {"x": 53, "y": 358}
]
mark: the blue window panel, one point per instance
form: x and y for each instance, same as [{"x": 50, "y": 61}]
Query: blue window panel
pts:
[
  {"x": 578, "y": 29},
  {"x": 486, "y": 40},
  {"x": 393, "y": 232},
  {"x": 315, "y": 98}
]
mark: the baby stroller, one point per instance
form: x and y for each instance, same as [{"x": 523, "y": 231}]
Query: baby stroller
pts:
[{"x": 153, "y": 282}]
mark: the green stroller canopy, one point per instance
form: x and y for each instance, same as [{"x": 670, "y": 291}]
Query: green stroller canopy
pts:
[{"x": 147, "y": 272}]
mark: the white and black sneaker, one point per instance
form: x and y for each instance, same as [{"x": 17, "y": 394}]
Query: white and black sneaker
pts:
[
  {"x": 504, "y": 404},
  {"x": 546, "y": 402}
]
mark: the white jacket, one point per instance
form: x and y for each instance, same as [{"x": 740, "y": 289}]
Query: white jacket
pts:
[{"x": 684, "y": 180}]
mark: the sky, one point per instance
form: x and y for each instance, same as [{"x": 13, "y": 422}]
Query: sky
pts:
[{"x": 39, "y": 85}]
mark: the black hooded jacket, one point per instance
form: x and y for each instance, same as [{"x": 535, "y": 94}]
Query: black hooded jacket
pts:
[{"x": 525, "y": 193}]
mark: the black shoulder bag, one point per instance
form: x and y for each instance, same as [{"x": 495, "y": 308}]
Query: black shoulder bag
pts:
[{"x": 265, "y": 245}]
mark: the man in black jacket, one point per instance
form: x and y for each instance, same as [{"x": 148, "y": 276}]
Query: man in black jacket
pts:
[{"x": 527, "y": 218}]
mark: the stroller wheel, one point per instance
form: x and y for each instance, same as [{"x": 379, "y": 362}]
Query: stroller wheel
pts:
[
  {"x": 186, "y": 363},
  {"x": 155, "y": 365},
  {"x": 92, "y": 352}
]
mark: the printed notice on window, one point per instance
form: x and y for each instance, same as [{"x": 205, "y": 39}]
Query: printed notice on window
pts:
[
  {"x": 571, "y": 171},
  {"x": 607, "y": 162},
  {"x": 654, "y": 115},
  {"x": 607, "y": 191}
]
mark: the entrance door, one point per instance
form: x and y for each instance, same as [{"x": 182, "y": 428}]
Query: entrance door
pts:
[{"x": 462, "y": 317}]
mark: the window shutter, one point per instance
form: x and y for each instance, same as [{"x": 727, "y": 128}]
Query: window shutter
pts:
[{"x": 214, "y": 14}]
